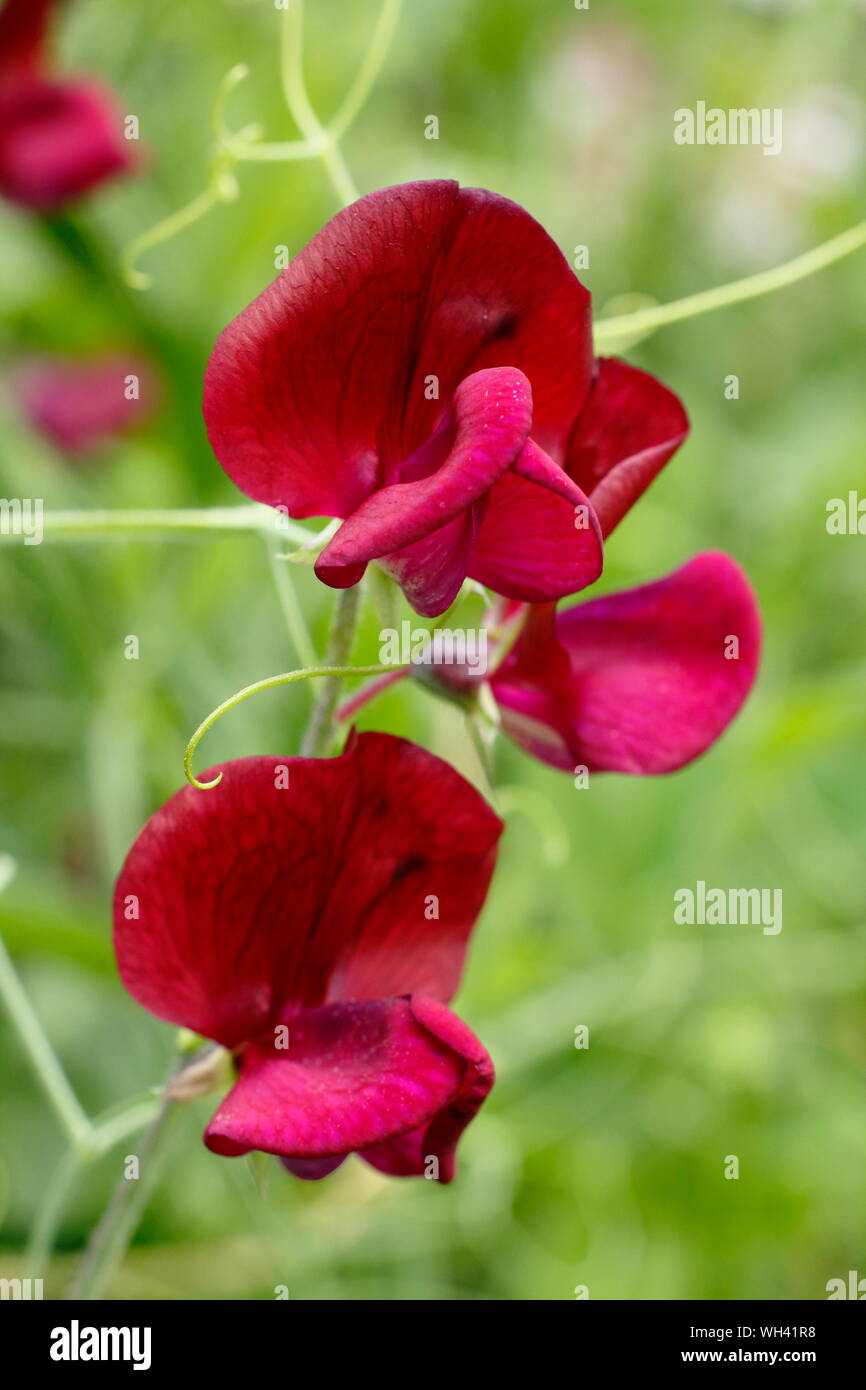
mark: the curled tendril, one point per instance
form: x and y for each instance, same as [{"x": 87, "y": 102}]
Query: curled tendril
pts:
[
  {"x": 234, "y": 147},
  {"x": 285, "y": 678}
]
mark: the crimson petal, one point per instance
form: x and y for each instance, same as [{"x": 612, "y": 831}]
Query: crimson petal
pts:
[
  {"x": 492, "y": 413},
  {"x": 654, "y": 674},
  {"x": 23, "y": 35},
  {"x": 627, "y": 431},
  {"x": 540, "y": 538},
  {"x": 298, "y": 881},
  {"x": 354, "y": 1074},
  {"x": 323, "y": 386},
  {"x": 431, "y": 1148}
]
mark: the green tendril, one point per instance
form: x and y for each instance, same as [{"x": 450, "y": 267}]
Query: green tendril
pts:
[
  {"x": 626, "y": 328},
  {"x": 247, "y": 146},
  {"x": 286, "y": 678}
]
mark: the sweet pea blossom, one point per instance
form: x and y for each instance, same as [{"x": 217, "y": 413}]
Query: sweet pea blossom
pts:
[
  {"x": 59, "y": 139},
  {"x": 642, "y": 681},
  {"x": 79, "y": 404},
  {"x": 423, "y": 370},
  {"x": 312, "y": 916}
]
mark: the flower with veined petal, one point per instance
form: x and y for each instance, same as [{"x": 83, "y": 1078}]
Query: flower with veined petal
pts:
[
  {"x": 324, "y": 904},
  {"x": 424, "y": 371}
]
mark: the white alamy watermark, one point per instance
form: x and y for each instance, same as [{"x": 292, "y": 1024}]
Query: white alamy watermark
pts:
[
  {"x": 455, "y": 646},
  {"x": 729, "y": 907},
  {"x": 846, "y": 516},
  {"x": 22, "y": 516},
  {"x": 853, "y": 1287},
  {"x": 712, "y": 125},
  {"x": 21, "y": 1289},
  {"x": 77, "y": 1343}
]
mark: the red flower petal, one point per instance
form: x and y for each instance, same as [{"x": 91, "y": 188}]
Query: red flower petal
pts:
[
  {"x": 317, "y": 393},
  {"x": 410, "y": 1154},
  {"x": 57, "y": 142},
  {"x": 23, "y": 34},
  {"x": 649, "y": 684},
  {"x": 533, "y": 543},
  {"x": 80, "y": 404},
  {"x": 355, "y": 1074},
  {"x": 492, "y": 413},
  {"x": 360, "y": 879},
  {"x": 627, "y": 431}
]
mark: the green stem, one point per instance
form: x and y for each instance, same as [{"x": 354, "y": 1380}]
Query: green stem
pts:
[
  {"x": 42, "y": 1056},
  {"x": 365, "y": 79},
  {"x": 288, "y": 600},
  {"x": 110, "y": 1239},
  {"x": 127, "y": 1118},
  {"x": 49, "y": 1215},
  {"x": 298, "y": 102},
  {"x": 320, "y": 729},
  {"x": 626, "y": 326},
  {"x": 146, "y": 523},
  {"x": 332, "y": 674}
]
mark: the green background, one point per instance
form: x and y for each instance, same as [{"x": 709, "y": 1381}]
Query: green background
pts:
[{"x": 602, "y": 1167}]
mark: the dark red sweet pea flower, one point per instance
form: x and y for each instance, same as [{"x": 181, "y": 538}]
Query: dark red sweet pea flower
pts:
[
  {"x": 326, "y": 903},
  {"x": 58, "y": 139},
  {"x": 423, "y": 370},
  {"x": 81, "y": 404},
  {"x": 641, "y": 681}
]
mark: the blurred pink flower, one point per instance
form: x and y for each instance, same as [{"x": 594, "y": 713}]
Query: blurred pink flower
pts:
[
  {"x": 81, "y": 404},
  {"x": 58, "y": 139}
]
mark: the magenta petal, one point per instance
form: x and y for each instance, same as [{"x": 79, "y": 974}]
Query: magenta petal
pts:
[
  {"x": 58, "y": 141},
  {"x": 655, "y": 673},
  {"x": 540, "y": 538},
  {"x": 80, "y": 404},
  {"x": 492, "y": 413},
  {"x": 627, "y": 431},
  {"x": 431, "y": 571},
  {"x": 354, "y": 1074},
  {"x": 430, "y": 1150}
]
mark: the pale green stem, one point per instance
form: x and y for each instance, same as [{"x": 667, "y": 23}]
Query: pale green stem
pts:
[
  {"x": 234, "y": 147},
  {"x": 49, "y": 1215},
  {"x": 42, "y": 1056},
  {"x": 365, "y": 80},
  {"x": 133, "y": 1115},
  {"x": 117, "y": 1125},
  {"x": 483, "y": 751},
  {"x": 281, "y": 151},
  {"x": 95, "y": 525},
  {"x": 320, "y": 729},
  {"x": 608, "y": 332},
  {"x": 298, "y": 102},
  {"x": 348, "y": 110},
  {"x": 288, "y": 600},
  {"x": 333, "y": 674},
  {"x": 118, "y": 1223}
]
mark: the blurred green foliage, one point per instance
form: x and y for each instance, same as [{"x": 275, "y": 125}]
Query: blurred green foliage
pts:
[{"x": 601, "y": 1167}]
